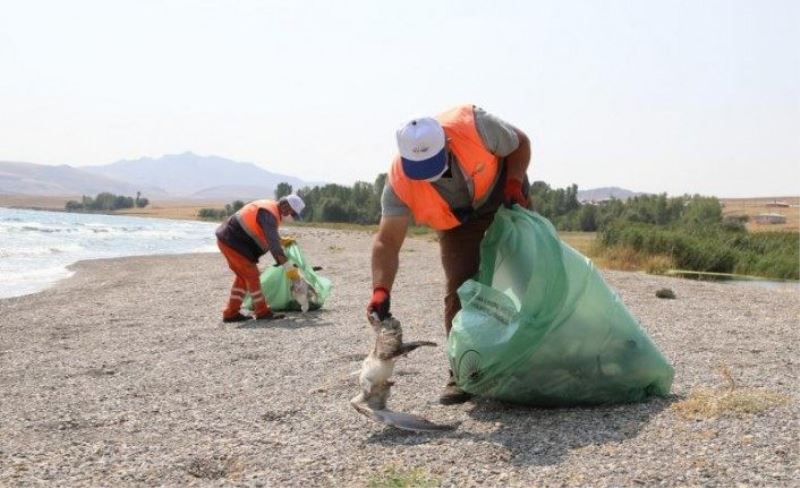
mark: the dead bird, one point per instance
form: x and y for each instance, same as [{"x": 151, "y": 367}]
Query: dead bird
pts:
[
  {"x": 304, "y": 294},
  {"x": 376, "y": 370}
]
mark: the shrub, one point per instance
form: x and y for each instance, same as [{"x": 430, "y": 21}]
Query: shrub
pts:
[
  {"x": 359, "y": 204},
  {"x": 282, "y": 190},
  {"x": 104, "y": 202},
  {"x": 73, "y": 206},
  {"x": 220, "y": 213},
  {"x": 712, "y": 248},
  {"x": 212, "y": 213}
]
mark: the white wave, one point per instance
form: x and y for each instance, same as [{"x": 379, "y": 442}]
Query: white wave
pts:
[
  {"x": 14, "y": 284},
  {"x": 45, "y": 250},
  {"x": 36, "y": 247}
]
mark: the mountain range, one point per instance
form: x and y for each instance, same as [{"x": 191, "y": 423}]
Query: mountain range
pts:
[
  {"x": 43, "y": 180},
  {"x": 178, "y": 176},
  {"x": 605, "y": 193},
  {"x": 186, "y": 175}
]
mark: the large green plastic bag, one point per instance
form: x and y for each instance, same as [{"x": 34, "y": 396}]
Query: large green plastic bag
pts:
[
  {"x": 539, "y": 325},
  {"x": 277, "y": 287}
]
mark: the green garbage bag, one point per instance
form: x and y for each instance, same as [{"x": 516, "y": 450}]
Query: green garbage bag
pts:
[
  {"x": 278, "y": 288},
  {"x": 539, "y": 325}
]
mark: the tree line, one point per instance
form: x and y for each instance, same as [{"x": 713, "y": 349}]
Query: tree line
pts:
[
  {"x": 688, "y": 232},
  {"x": 105, "y": 202},
  {"x": 361, "y": 204},
  {"x": 220, "y": 213},
  {"x": 357, "y": 204},
  {"x": 562, "y": 207}
]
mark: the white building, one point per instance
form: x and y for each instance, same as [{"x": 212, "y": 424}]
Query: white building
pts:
[{"x": 770, "y": 218}]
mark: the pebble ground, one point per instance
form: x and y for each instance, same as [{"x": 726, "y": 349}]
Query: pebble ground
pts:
[{"x": 124, "y": 375}]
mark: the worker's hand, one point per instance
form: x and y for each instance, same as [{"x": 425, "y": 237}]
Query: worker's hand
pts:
[
  {"x": 379, "y": 305},
  {"x": 287, "y": 241},
  {"x": 512, "y": 193}
]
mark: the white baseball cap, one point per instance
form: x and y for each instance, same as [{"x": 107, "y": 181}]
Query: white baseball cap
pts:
[
  {"x": 295, "y": 202},
  {"x": 422, "y": 149}
]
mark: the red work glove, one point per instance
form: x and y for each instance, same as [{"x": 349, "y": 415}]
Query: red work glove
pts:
[
  {"x": 379, "y": 303},
  {"x": 512, "y": 193}
]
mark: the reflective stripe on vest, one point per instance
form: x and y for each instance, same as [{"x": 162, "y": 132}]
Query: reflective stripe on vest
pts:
[
  {"x": 248, "y": 219},
  {"x": 479, "y": 166}
]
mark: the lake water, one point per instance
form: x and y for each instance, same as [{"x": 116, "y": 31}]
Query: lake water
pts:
[{"x": 36, "y": 247}]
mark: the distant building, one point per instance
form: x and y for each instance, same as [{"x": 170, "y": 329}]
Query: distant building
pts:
[
  {"x": 598, "y": 202},
  {"x": 770, "y": 218},
  {"x": 778, "y": 204}
]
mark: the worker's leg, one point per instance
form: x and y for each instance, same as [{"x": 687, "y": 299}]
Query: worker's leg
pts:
[
  {"x": 249, "y": 271},
  {"x": 460, "y": 250},
  {"x": 247, "y": 278},
  {"x": 238, "y": 292}
]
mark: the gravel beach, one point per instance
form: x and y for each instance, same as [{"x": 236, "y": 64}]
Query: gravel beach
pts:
[{"x": 124, "y": 375}]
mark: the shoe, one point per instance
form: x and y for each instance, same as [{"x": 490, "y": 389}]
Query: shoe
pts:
[
  {"x": 453, "y": 395},
  {"x": 236, "y": 318},
  {"x": 271, "y": 316}
]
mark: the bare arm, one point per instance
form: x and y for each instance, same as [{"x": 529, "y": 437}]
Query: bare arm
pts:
[
  {"x": 386, "y": 250},
  {"x": 518, "y": 160}
]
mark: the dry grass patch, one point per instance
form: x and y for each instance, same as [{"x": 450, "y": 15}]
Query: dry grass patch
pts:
[
  {"x": 395, "y": 476},
  {"x": 628, "y": 259},
  {"x": 583, "y": 242},
  {"x": 706, "y": 403},
  {"x": 754, "y": 206},
  {"x": 36, "y": 202},
  {"x": 730, "y": 400},
  {"x": 178, "y": 210},
  {"x": 214, "y": 468},
  {"x": 658, "y": 264}
]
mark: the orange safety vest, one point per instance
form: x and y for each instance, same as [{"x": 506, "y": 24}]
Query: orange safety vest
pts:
[
  {"x": 248, "y": 219},
  {"x": 479, "y": 166}
]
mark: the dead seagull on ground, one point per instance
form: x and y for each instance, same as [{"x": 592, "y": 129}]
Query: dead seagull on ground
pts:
[
  {"x": 376, "y": 370},
  {"x": 304, "y": 294}
]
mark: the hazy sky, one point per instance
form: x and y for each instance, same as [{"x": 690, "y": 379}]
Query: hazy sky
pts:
[{"x": 675, "y": 96}]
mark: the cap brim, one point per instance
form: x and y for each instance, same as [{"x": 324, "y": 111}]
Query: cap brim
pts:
[{"x": 427, "y": 168}]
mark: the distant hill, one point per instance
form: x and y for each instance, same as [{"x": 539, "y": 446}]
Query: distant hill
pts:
[
  {"x": 184, "y": 175},
  {"x": 605, "y": 193},
  {"x": 43, "y": 180},
  {"x": 190, "y": 175}
]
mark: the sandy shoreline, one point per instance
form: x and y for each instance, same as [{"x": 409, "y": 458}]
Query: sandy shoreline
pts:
[{"x": 124, "y": 375}]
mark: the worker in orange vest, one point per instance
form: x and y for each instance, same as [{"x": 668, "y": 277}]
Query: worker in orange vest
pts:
[
  {"x": 451, "y": 174},
  {"x": 246, "y": 236}
]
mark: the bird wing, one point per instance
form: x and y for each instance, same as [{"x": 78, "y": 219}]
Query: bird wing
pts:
[
  {"x": 404, "y": 421},
  {"x": 407, "y": 421}
]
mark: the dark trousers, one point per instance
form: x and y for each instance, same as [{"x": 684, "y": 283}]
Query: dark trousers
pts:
[{"x": 460, "y": 249}]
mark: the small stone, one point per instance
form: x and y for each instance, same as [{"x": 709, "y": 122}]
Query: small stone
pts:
[{"x": 665, "y": 293}]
